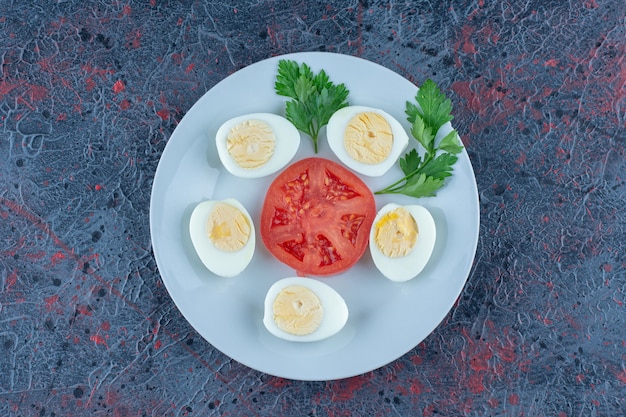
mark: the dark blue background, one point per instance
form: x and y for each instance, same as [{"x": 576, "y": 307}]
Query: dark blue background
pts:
[{"x": 90, "y": 93}]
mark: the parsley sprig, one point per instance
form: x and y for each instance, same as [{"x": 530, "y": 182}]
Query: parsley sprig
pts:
[
  {"x": 425, "y": 175},
  {"x": 314, "y": 97}
]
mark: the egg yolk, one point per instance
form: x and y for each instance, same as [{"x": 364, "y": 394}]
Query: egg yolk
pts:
[
  {"x": 297, "y": 310},
  {"x": 251, "y": 143},
  {"x": 368, "y": 138},
  {"x": 396, "y": 233},
  {"x": 227, "y": 227}
]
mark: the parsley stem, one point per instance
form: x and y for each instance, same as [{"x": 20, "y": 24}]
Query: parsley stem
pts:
[
  {"x": 394, "y": 187},
  {"x": 314, "y": 133}
]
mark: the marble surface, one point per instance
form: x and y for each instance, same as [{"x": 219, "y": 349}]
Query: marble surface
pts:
[{"x": 90, "y": 93}]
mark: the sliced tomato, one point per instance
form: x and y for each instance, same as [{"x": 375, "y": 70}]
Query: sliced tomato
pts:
[{"x": 317, "y": 216}]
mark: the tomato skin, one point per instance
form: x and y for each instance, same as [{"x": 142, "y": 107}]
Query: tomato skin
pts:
[{"x": 316, "y": 217}]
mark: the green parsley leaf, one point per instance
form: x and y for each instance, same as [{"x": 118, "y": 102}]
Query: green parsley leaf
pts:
[
  {"x": 435, "y": 107},
  {"x": 321, "y": 81},
  {"x": 450, "y": 143},
  {"x": 288, "y": 72},
  {"x": 303, "y": 88},
  {"x": 425, "y": 174},
  {"x": 314, "y": 97},
  {"x": 439, "y": 167},
  {"x": 423, "y": 133},
  {"x": 411, "y": 162},
  {"x": 297, "y": 113}
]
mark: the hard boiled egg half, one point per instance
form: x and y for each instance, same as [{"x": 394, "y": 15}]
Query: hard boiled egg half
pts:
[
  {"x": 367, "y": 140},
  {"x": 303, "y": 310},
  {"x": 402, "y": 239},
  {"x": 255, "y": 145},
  {"x": 222, "y": 234}
]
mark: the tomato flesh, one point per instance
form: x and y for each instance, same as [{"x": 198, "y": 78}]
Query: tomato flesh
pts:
[{"x": 316, "y": 217}]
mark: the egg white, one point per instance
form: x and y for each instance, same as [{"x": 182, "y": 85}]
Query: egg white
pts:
[
  {"x": 404, "y": 268},
  {"x": 335, "y": 310},
  {"x": 286, "y": 145},
  {"x": 222, "y": 263},
  {"x": 335, "y": 134}
]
